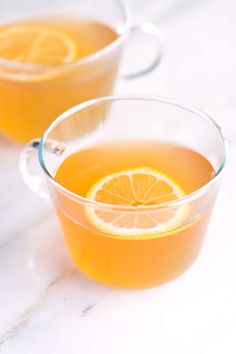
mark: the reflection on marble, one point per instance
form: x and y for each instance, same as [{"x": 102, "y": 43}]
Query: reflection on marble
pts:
[{"x": 47, "y": 306}]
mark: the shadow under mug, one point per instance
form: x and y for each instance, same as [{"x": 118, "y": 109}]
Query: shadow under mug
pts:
[
  {"x": 32, "y": 96},
  {"x": 116, "y": 261}
]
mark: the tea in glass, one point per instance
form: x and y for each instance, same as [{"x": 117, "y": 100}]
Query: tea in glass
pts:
[
  {"x": 133, "y": 181},
  {"x": 133, "y": 249},
  {"x": 48, "y": 80}
]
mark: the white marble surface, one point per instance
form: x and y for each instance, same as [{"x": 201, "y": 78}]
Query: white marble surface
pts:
[{"x": 46, "y": 306}]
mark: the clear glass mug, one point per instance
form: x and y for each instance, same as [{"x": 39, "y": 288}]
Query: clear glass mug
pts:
[
  {"x": 32, "y": 96},
  {"x": 116, "y": 261}
]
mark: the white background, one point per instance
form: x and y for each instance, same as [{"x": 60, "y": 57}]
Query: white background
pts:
[{"x": 46, "y": 306}]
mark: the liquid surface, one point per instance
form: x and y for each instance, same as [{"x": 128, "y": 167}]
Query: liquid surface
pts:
[
  {"x": 131, "y": 261},
  {"x": 83, "y": 169},
  {"x": 19, "y": 41}
]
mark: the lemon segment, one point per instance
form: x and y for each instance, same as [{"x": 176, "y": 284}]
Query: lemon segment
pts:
[
  {"x": 37, "y": 44},
  {"x": 136, "y": 188}
]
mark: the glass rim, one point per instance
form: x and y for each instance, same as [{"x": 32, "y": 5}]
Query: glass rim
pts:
[
  {"x": 111, "y": 207},
  {"x": 30, "y": 68}
]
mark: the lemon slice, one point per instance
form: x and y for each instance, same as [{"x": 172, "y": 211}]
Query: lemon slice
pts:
[
  {"x": 138, "y": 187},
  {"x": 37, "y": 44}
]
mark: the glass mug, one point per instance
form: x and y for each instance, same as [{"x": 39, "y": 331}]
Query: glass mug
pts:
[
  {"x": 33, "y": 95},
  {"x": 192, "y": 146}
]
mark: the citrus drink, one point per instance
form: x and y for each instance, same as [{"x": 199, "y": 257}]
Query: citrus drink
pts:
[
  {"x": 40, "y": 76},
  {"x": 146, "y": 246}
]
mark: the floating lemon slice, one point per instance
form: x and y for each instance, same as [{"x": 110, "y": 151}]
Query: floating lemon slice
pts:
[
  {"x": 138, "y": 187},
  {"x": 37, "y": 44}
]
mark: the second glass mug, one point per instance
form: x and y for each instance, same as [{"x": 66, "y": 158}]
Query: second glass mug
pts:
[
  {"x": 120, "y": 261},
  {"x": 32, "y": 95}
]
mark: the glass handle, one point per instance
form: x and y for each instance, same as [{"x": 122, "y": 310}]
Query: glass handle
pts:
[
  {"x": 142, "y": 51},
  {"x": 31, "y": 169}
]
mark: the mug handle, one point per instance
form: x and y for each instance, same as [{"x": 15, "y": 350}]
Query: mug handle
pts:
[
  {"x": 150, "y": 31},
  {"x": 31, "y": 170}
]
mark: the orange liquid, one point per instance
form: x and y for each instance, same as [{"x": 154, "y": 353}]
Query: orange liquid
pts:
[
  {"x": 30, "y": 102},
  {"x": 128, "y": 261}
]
